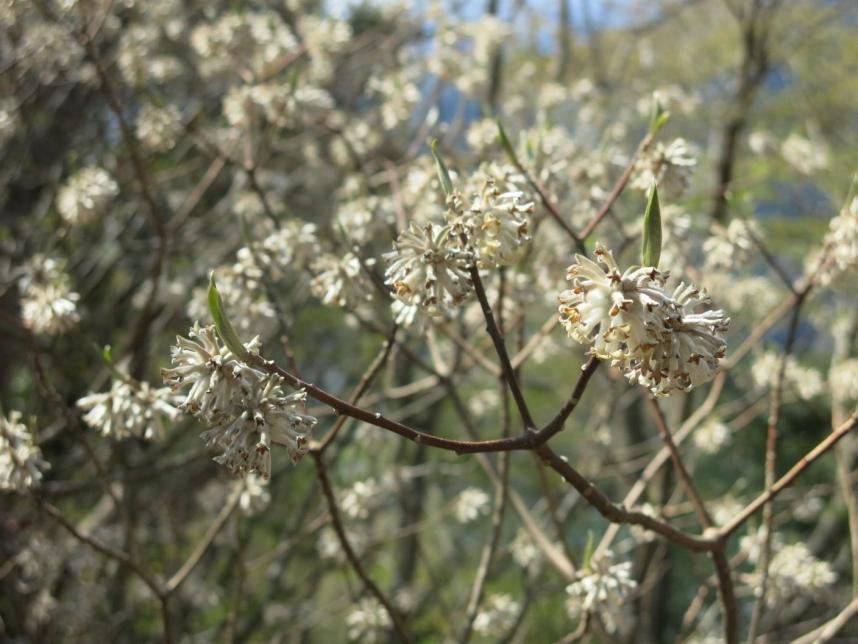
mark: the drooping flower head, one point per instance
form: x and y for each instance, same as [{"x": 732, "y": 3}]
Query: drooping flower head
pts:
[
  {"x": 21, "y": 461},
  {"x": 664, "y": 341},
  {"x": 248, "y": 408}
]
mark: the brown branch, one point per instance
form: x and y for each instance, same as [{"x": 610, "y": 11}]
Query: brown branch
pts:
[
  {"x": 352, "y": 557},
  {"x": 771, "y": 456},
  {"x": 205, "y": 543},
  {"x": 360, "y": 389},
  {"x": 500, "y": 348},
  {"x": 752, "y": 508},
  {"x": 684, "y": 478},
  {"x": 617, "y": 190}
]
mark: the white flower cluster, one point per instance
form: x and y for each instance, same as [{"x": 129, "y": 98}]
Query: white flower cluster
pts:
[
  {"x": 247, "y": 407},
  {"x": 732, "y": 246},
  {"x": 470, "y": 504},
  {"x": 497, "y": 223},
  {"x": 340, "y": 281},
  {"x": 794, "y": 571},
  {"x": 357, "y": 501},
  {"x": 525, "y": 552},
  {"x": 843, "y": 380},
  {"x": 86, "y": 195},
  {"x": 670, "y": 166},
  {"x": 158, "y": 128},
  {"x": 664, "y": 341},
  {"x": 430, "y": 263},
  {"x": 276, "y": 103},
  {"x": 497, "y": 616},
  {"x": 254, "y": 496},
  {"x": 803, "y": 154},
  {"x": 428, "y": 267},
  {"x": 141, "y": 58},
  {"x": 842, "y": 241},
  {"x": 21, "y": 462},
  {"x": 254, "y": 40},
  {"x": 48, "y": 304},
  {"x": 368, "y": 622},
  {"x": 601, "y": 590},
  {"x": 805, "y": 381},
  {"x": 711, "y": 436},
  {"x": 129, "y": 409}
]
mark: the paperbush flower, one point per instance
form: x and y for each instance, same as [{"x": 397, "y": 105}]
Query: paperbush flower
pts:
[
  {"x": 664, "y": 341},
  {"x": 499, "y": 225},
  {"x": 247, "y": 407},
  {"x": 21, "y": 462},
  {"x": 670, "y": 166},
  {"x": 129, "y": 409},
  {"x": 428, "y": 267},
  {"x": 158, "y": 128},
  {"x": 48, "y": 304},
  {"x": 86, "y": 195},
  {"x": 601, "y": 590}
]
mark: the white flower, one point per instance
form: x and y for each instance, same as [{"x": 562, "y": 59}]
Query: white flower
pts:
[
  {"x": 690, "y": 348},
  {"x": 843, "y": 380},
  {"x": 368, "y": 622},
  {"x": 841, "y": 240},
  {"x": 601, "y": 590},
  {"x": 661, "y": 340},
  {"x": 500, "y": 226},
  {"x": 21, "y": 462},
  {"x": 257, "y": 40},
  {"x": 471, "y": 503},
  {"x": 429, "y": 268},
  {"x": 340, "y": 281},
  {"x": 733, "y": 246},
  {"x": 711, "y": 436},
  {"x": 525, "y": 553},
  {"x": 793, "y": 571},
  {"x": 497, "y": 616},
  {"x": 158, "y": 128},
  {"x": 86, "y": 195},
  {"x": 804, "y": 155},
  {"x": 669, "y": 166},
  {"x": 129, "y": 409},
  {"x": 357, "y": 501},
  {"x": 804, "y": 381},
  {"x": 48, "y": 305},
  {"x": 242, "y": 292},
  {"x": 255, "y": 496},
  {"x": 248, "y": 407}
]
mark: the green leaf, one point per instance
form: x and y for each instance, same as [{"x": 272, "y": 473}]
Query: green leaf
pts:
[
  {"x": 222, "y": 323},
  {"x": 588, "y": 550},
  {"x": 651, "y": 250},
  {"x": 658, "y": 116},
  {"x": 443, "y": 175},
  {"x": 503, "y": 139}
]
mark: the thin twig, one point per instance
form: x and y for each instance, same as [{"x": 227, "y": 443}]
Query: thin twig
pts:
[
  {"x": 353, "y": 559},
  {"x": 205, "y": 543},
  {"x": 500, "y": 348},
  {"x": 617, "y": 190},
  {"x": 771, "y": 455}
]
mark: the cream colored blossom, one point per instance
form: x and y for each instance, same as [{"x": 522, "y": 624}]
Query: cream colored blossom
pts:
[{"x": 86, "y": 195}]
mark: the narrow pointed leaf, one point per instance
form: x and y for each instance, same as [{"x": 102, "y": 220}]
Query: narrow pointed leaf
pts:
[
  {"x": 222, "y": 323},
  {"x": 504, "y": 141},
  {"x": 651, "y": 250},
  {"x": 443, "y": 174},
  {"x": 588, "y": 550},
  {"x": 658, "y": 116}
]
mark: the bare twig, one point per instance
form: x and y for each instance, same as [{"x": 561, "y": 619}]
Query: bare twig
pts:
[{"x": 352, "y": 557}]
